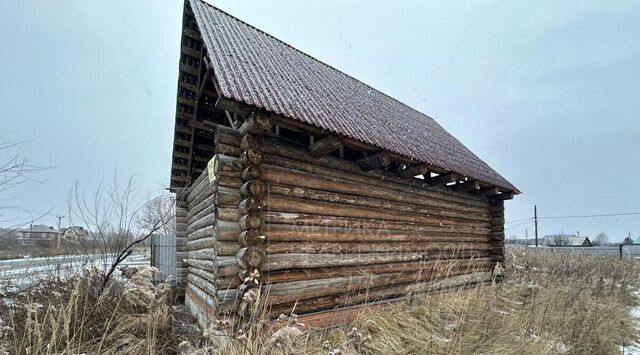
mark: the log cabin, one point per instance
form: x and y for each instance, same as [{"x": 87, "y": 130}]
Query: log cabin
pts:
[{"x": 312, "y": 191}]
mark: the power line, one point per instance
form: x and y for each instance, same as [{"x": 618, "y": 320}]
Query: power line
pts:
[
  {"x": 577, "y": 216},
  {"x": 594, "y": 215},
  {"x": 519, "y": 220}
]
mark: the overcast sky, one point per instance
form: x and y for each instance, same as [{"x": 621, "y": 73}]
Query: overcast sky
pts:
[{"x": 547, "y": 93}]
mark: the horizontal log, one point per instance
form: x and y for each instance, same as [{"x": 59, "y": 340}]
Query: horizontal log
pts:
[
  {"x": 207, "y": 265},
  {"x": 301, "y": 261},
  {"x": 217, "y": 250},
  {"x": 309, "y": 289},
  {"x": 205, "y": 232},
  {"x": 257, "y": 123},
  {"x": 205, "y": 221},
  {"x": 209, "y": 276},
  {"x": 300, "y": 205},
  {"x": 252, "y": 188},
  {"x": 389, "y": 206},
  {"x": 444, "y": 179},
  {"x": 408, "y": 267},
  {"x": 370, "y": 247},
  {"x": 413, "y": 170},
  {"x": 372, "y": 295},
  {"x": 251, "y": 140},
  {"x": 229, "y": 150},
  {"x": 252, "y": 237},
  {"x": 251, "y": 221},
  {"x": 280, "y": 154},
  {"x": 200, "y": 184},
  {"x": 203, "y": 243},
  {"x": 278, "y": 175},
  {"x": 250, "y": 205},
  {"x": 467, "y": 186},
  {"x": 205, "y": 207},
  {"x": 250, "y": 156},
  {"x": 324, "y": 146},
  {"x": 250, "y": 257},
  {"x": 208, "y": 287},
  {"x": 202, "y": 254},
  {"x": 327, "y": 228},
  {"x": 251, "y": 172},
  {"x": 375, "y": 161}
]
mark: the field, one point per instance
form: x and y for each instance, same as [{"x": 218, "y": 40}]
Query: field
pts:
[{"x": 546, "y": 303}]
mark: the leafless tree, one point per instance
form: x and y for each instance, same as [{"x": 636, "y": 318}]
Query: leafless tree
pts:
[
  {"x": 157, "y": 208},
  {"x": 117, "y": 224},
  {"x": 601, "y": 239},
  {"x": 560, "y": 240},
  {"x": 16, "y": 170}
]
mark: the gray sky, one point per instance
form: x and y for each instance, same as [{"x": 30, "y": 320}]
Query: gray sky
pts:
[{"x": 547, "y": 93}]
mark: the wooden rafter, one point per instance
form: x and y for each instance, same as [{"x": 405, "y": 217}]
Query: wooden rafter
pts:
[
  {"x": 444, "y": 179},
  {"x": 205, "y": 78},
  {"x": 414, "y": 170},
  {"x": 467, "y": 186},
  {"x": 376, "y": 161},
  {"x": 325, "y": 146},
  {"x": 504, "y": 196},
  {"x": 488, "y": 191}
]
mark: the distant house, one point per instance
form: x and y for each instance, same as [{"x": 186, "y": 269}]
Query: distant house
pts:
[
  {"x": 74, "y": 233},
  {"x": 37, "y": 235},
  {"x": 566, "y": 240}
]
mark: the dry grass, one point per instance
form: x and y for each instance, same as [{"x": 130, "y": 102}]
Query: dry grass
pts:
[
  {"x": 72, "y": 317},
  {"x": 548, "y": 303}
]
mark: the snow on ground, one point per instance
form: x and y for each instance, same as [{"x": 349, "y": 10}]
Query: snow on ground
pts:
[
  {"x": 633, "y": 349},
  {"x": 17, "y": 274}
]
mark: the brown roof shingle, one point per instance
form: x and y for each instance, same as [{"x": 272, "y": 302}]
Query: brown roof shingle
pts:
[{"x": 257, "y": 69}]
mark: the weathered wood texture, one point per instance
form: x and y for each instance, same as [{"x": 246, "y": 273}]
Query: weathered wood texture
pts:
[
  {"x": 181, "y": 237},
  {"x": 326, "y": 233}
]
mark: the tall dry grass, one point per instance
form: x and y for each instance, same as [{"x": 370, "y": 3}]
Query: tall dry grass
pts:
[
  {"x": 73, "y": 316},
  {"x": 548, "y": 303}
]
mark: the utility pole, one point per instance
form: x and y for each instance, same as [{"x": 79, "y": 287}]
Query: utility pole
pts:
[
  {"x": 59, "y": 226},
  {"x": 535, "y": 219},
  {"x": 526, "y": 237}
]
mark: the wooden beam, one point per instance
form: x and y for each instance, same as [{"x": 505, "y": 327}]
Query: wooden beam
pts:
[
  {"x": 488, "y": 191},
  {"x": 325, "y": 146},
  {"x": 444, "y": 179},
  {"x": 467, "y": 186},
  {"x": 376, "y": 161},
  {"x": 256, "y": 124},
  {"x": 229, "y": 105},
  {"x": 504, "y": 196},
  {"x": 413, "y": 170},
  {"x": 205, "y": 79}
]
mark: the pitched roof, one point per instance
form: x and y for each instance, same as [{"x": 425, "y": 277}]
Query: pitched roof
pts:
[
  {"x": 259, "y": 70},
  {"x": 38, "y": 228}
]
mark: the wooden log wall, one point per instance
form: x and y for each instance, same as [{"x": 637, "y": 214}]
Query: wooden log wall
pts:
[
  {"x": 207, "y": 294},
  {"x": 497, "y": 228},
  {"x": 337, "y": 235},
  {"x": 181, "y": 237}
]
